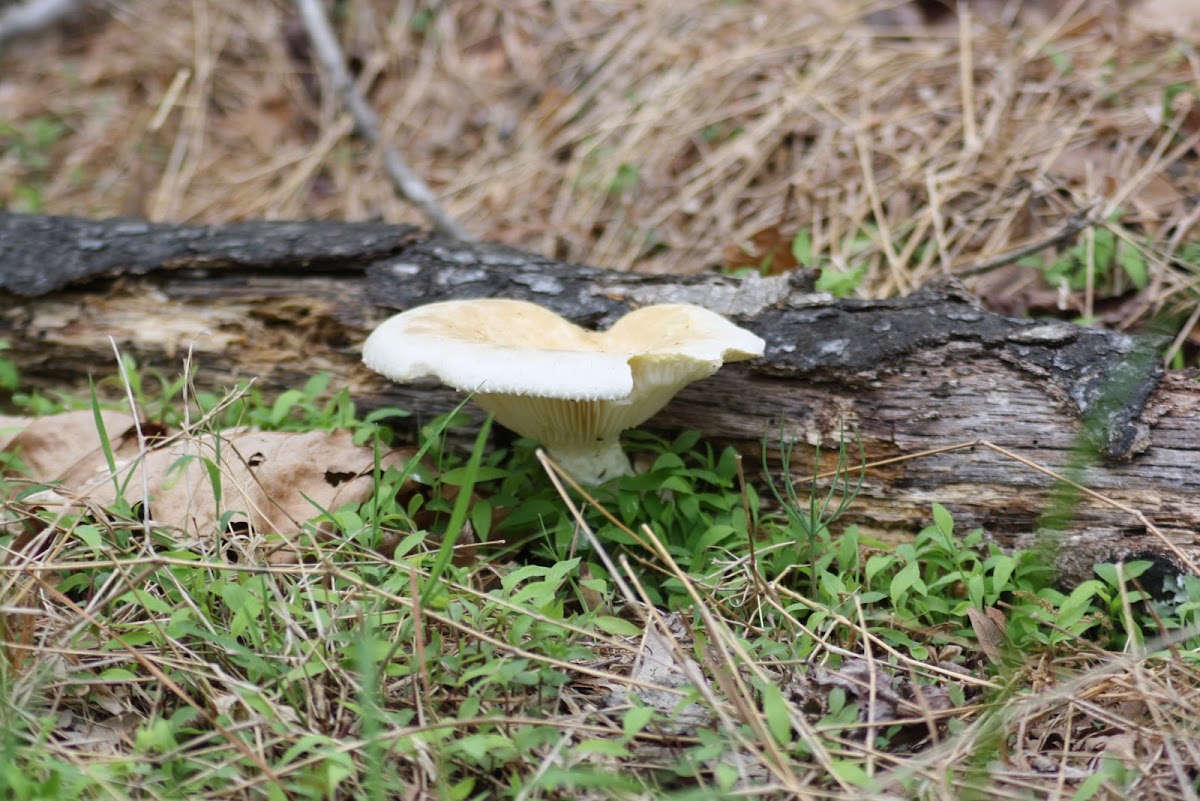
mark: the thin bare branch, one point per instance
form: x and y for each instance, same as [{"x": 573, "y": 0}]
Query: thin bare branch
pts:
[{"x": 406, "y": 182}]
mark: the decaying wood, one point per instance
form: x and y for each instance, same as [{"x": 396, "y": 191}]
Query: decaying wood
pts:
[{"x": 910, "y": 375}]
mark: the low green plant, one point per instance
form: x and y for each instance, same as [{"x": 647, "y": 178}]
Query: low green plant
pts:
[
  {"x": 809, "y": 519},
  {"x": 30, "y": 144},
  {"x": 10, "y": 376},
  {"x": 1108, "y": 261},
  {"x": 689, "y": 495},
  {"x": 837, "y": 280},
  {"x": 345, "y": 673}
]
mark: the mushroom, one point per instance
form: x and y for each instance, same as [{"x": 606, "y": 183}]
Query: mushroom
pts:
[{"x": 571, "y": 389}]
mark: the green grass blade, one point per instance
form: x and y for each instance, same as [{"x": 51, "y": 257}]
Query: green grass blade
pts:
[{"x": 458, "y": 517}]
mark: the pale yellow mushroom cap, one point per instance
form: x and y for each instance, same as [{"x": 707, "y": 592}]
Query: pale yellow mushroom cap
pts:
[{"x": 546, "y": 378}]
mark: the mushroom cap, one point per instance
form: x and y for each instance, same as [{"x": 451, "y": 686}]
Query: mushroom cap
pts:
[
  {"x": 571, "y": 389},
  {"x": 511, "y": 347}
]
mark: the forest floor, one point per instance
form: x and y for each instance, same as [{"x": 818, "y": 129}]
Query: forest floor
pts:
[{"x": 1046, "y": 154}]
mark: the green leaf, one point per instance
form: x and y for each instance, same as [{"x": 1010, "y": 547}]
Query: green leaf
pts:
[
  {"x": 840, "y": 283},
  {"x": 1105, "y": 245},
  {"x": 458, "y": 476},
  {"x": 636, "y": 720},
  {"x": 1077, "y": 603},
  {"x": 833, "y": 586},
  {"x": 878, "y": 562},
  {"x": 715, "y": 534},
  {"x": 1172, "y": 91},
  {"x": 458, "y": 516},
  {"x": 853, "y": 773},
  {"x": 616, "y": 626},
  {"x": 847, "y": 552},
  {"x": 1134, "y": 265},
  {"x": 836, "y": 700},
  {"x": 553, "y": 574},
  {"x": 943, "y": 520},
  {"x": 90, "y": 535},
  {"x": 1089, "y": 787},
  {"x": 975, "y": 590},
  {"x": 9, "y": 376},
  {"x": 1129, "y": 570},
  {"x": 908, "y": 578},
  {"x": 386, "y": 413},
  {"x": 481, "y": 519},
  {"x": 315, "y": 385},
  {"x": 234, "y": 595},
  {"x": 727, "y": 776},
  {"x": 117, "y": 674},
  {"x": 1002, "y": 570},
  {"x": 601, "y": 746},
  {"x": 675, "y": 484},
  {"x": 284, "y": 404},
  {"x": 684, "y": 443},
  {"x": 802, "y": 247},
  {"x": 776, "y": 710},
  {"x": 1108, "y": 572}
]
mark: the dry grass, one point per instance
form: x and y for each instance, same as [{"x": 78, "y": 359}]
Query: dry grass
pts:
[{"x": 647, "y": 136}]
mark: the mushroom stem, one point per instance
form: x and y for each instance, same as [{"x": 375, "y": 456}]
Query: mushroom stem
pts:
[
  {"x": 594, "y": 464},
  {"x": 583, "y": 437}
]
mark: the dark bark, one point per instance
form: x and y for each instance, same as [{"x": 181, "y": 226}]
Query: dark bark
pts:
[
  {"x": 41, "y": 254},
  {"x": 910, "y": 374}
]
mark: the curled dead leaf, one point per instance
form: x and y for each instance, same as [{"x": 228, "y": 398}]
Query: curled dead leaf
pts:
[{"x": 989, "y": 625}]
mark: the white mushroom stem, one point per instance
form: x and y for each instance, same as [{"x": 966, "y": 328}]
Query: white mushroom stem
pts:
[
  {"x": 581, "y": 436},
  {"x": 593, "y": 466}
]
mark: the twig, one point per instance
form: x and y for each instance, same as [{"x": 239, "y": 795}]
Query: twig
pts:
[
  {"x": 1181, "y": 337},
  {"x": 143, "y": 446},
  {"x": 1078, "y": 222},
  {"x": 33, "y": 16},
  {"x": 406, "y": 183}
]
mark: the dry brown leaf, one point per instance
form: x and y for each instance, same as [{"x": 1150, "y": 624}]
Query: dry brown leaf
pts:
[
  {"x": 771, "y": 247},
  {"x": 1014, "y": 289},
  {"x": 771, "y": 252},
  {"x": 855, "y": 677},
  {"x": 1173, "y": 17},
  {"x": 271, "y": 482},
  {"x": 1105, "y": 167},
  {"x": 110, "y": 736},
  {"x": 17, "y": 633},
  {"x": 51, "y": 446},
  {"x": 989, "y": 626}
]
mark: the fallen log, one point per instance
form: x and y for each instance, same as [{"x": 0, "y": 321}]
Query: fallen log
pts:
[{"x": 966, "y": 408}]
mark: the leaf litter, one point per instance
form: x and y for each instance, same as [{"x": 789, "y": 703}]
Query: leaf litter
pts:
[{"x": 260, "y": 486}]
